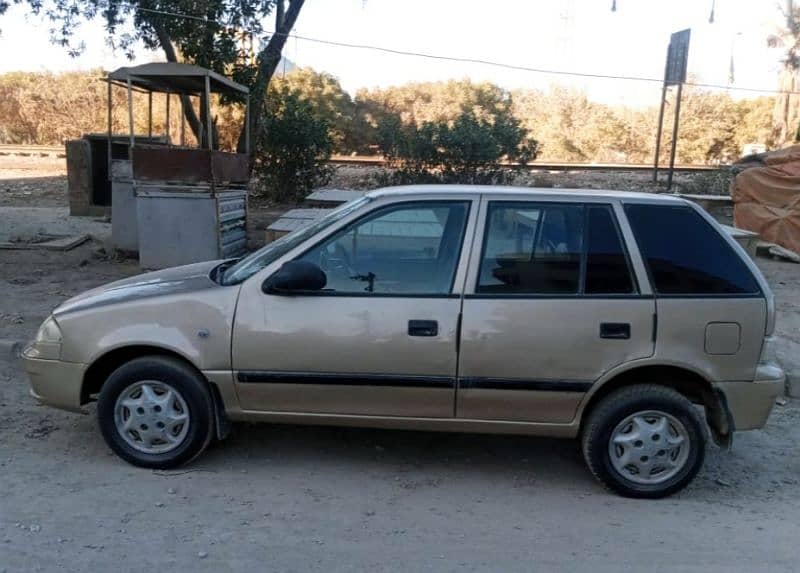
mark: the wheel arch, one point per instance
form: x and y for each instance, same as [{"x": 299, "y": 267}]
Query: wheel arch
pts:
[
  {"x": 102, "y": 367},
  {"x": 690, "y": 383}
]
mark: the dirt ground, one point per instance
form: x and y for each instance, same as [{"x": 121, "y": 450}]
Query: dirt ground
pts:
[{"x": 285, "y": 498}]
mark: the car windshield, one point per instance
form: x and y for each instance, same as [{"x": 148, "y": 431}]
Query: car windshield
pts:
[{"x": 259, "y": 259}]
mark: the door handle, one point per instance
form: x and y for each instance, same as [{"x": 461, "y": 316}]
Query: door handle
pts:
[
  {"x": 423, "y": 328},
  {"x": 618, "y": 330}
]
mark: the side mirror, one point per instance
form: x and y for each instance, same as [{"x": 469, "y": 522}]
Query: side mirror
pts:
[{"x": 295, "y": 276}]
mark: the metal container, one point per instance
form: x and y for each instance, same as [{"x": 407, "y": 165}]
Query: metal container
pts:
[{"x": 178, "y": 227}]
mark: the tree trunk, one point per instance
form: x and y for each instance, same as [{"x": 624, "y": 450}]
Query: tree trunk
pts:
[
  {"x": 188, "y": 110},
  {"x": 785, "y": 117},
  {"x": 268, "y": 60}
]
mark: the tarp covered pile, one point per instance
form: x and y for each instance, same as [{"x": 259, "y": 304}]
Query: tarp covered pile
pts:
[{"x": 766, "y": 196}]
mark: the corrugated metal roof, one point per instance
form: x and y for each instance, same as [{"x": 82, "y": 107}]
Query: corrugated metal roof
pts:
[{"x": 175, "y": 78}]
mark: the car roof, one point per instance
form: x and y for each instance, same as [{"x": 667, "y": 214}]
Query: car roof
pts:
[{"x": 527, "y": 192}]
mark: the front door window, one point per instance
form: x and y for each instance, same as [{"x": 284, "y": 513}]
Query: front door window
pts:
[{"x": 408, "y": 249}]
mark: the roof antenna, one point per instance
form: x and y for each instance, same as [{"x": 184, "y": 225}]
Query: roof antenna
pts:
[
  {"x": 711, "y": 16},
  {"x": 613, "y": 5}
]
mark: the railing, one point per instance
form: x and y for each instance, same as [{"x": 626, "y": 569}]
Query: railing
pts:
[
  {"x": 378, "y": 161},
  {"x": 33, "y": 150}
]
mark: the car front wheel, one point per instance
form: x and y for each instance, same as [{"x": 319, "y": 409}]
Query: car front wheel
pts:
[
  {"x": 644, "y": 441},
  {"x": 156, "y": 412}
]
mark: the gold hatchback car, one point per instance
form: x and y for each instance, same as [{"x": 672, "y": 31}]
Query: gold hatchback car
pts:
[{"x": 630, "y": 321}]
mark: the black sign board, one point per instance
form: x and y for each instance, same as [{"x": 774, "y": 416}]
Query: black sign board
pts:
[{"x": 677, "y": 58}]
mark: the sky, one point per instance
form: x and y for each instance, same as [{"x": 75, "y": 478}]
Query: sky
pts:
[{"x": 568, "y": 35}]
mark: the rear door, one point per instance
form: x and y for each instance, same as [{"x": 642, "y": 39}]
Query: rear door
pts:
[{"x": 551, "y": 304}]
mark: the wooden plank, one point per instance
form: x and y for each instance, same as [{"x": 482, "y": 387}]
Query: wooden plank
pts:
[
  {"x": 718, "y": 199},
  {"x": 330, "y": 197},
  {"x": 748, "y": 239},
  {"x": 784, "y": 253},
  {"x": 288, "y": 225},
  {"x": 293, "y": 220},
  {"x": 60, "y": 244},
  {"x": 311, "y": 214},
  {"x": 65, "y": 243}
]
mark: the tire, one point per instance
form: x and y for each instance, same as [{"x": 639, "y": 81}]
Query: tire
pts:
[
  {"x": 165, "y": 430},
  {"x": 657, "y": 465}
]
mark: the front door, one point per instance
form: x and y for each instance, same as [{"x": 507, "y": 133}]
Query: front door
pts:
[
  {"x": 380, "y": 339},
  {"x": 552, "y": 305}
]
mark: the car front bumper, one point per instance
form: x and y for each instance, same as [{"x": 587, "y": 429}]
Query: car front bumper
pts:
[
  {"x": 54, "y": 382},
  {"x": 750, "y": 403}
]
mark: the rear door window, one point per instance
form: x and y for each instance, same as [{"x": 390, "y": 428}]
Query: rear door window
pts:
[
  {"x": 685, "y": 255},
  {"x": 532, "y": 248},
  {"x": 553, "y": 249},
  {"x": 607, "y": 268}
]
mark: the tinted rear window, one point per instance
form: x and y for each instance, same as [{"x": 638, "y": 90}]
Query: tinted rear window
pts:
[{"x": 685, "y": 254}]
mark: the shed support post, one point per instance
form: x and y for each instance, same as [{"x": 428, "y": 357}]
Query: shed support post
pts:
[
  {"x": 149, "y": 114},
  {"x": 130, "y": 112},
  {"x": 200, "y": 132},
  {"x": 208, "y": 114},
  {"x": 183, "y": 123},
  {"x": 247, "y": 125},
  {"x": 167, "y": 127},
  {"x": 110, "y": 134}
]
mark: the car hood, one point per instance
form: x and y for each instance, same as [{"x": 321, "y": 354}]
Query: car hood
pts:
[{"x": 176, "y": 280}]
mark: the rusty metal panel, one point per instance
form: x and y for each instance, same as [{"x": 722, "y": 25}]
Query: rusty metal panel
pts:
[
  {"x": 230, "y": 167},
  {"x": 155, "y": 163},
  {"x": 173, "y": 164}
]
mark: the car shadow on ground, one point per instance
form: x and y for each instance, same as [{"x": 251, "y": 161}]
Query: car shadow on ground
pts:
[
  {"x": 516, "y": 460},
  {"x": 505, "y": 461}
]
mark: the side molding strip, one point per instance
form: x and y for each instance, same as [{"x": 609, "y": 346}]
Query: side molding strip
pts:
[
  {"x": 344, "y": 379},
  {"x": 548, "y": 385},
  {"x": 409, "y": 381}
]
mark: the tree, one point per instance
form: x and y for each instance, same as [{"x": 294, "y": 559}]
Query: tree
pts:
[
  {"x": 47, "y": 109},
  {"x": 786, "y": 118},
  {"x": 208, "y": 33},
  {"x": 328, "y": 101},
  {"x": 467, "y": 149},
  {"x": 571, "y": 127},
  {"x": 293, "y": 145}
]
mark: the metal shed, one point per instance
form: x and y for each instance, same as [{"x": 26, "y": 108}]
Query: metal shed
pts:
[{"x": 172, "y": 203}]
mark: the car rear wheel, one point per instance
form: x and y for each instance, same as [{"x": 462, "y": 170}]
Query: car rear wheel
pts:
[
  {"x": 156, "y": 412},
  {"x": 644, "y": 441}
]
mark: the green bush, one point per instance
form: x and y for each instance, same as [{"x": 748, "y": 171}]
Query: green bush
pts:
[
  {"x": 292, "y": 149},
  {"x": 466, "y": 150}
]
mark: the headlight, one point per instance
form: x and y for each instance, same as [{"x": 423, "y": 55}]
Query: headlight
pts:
[
  {"x": 49, "y": 331},
  {"x": 47, "y": 344}
]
